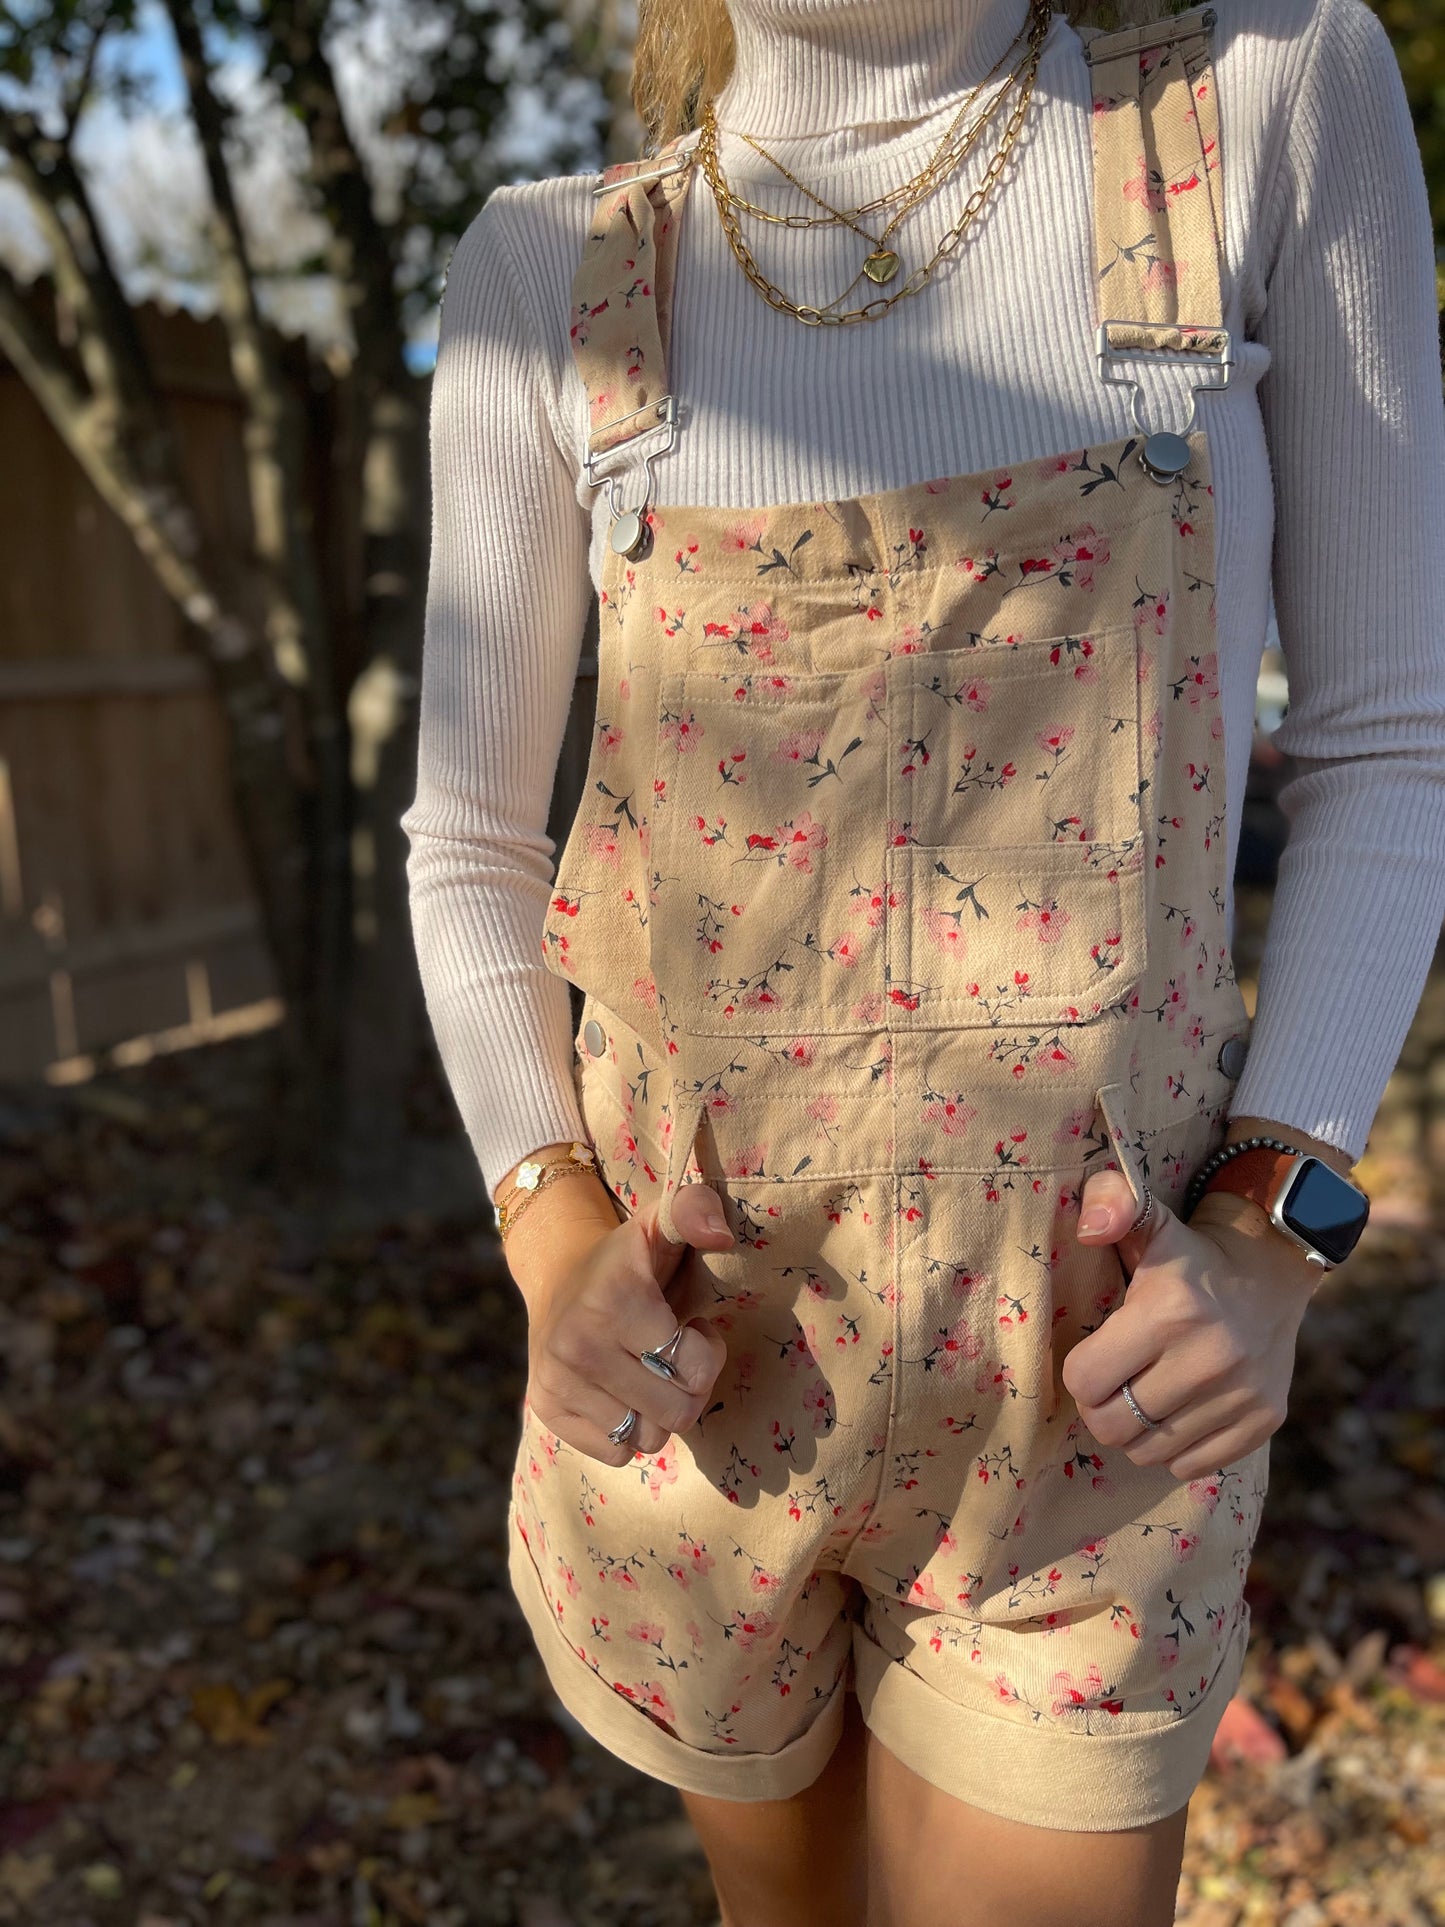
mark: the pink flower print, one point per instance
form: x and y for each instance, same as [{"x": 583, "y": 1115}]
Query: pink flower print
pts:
[
  {"x": 1081, "y": 1695},
  {"x": 1055, "y": 741},
  {"x": 662, "y": 1470},
  {"x": 1060, "y": 464},
  {"x": 869, "y": 904},
  {"x": 923, "y": 1592},
  {"x": 1206, "y": 1491},
  {"x": 748, "y": 1628},
  {"x": 764, "y": 1581},
  {"x": 1175, "y": 1001},
  {"x": 751, "y": 1161},
  {"x": 759, "y": 628},
  {"x": 957, "y": 1344},
  {"x": 646, "y": 1633},
  {"x": 1201, "y": 680},
  {"x": 1160, "y": 275},
  {"x": 952, "y": 1115},
  {"x": 602, "y": 842},
  {"x": 818, "y": 1403},
  {"x": 683, "y": 731},
  {"x": 685, "y": 556},
  {"x": 1045, "y": 919},
  {"x": 1079, "y": 554},
  {"x": 999, "y": 1381},
  {"x": 974, "y": 694},
  {"x": 944, "y": 931},
  {"x": 694, "y": 1559},
  {"x": 801, "y": 747},
  {"x": 1153, "y": 614},
  {"x": 1139, "y": 189},
  {"x": 742, "y": 535},
  {"x": 911, "y": 641},
  {"x": 824, "y": 1109},
  {"x": 1036, "y": 565},
  {"x": 609, "y": 737},
  {"x": 801, "y": 1051},
  {"x": 978, "y": 568},
  {"x": 651, "y": 1698},
  {"x": 868, "y": 1011},
  {"x": 802, "y": 838},
  {"x": 1166, "y": 1651},
  {"x": 571, "y": 1585},
  {"x": 1186, "y": 1544}
]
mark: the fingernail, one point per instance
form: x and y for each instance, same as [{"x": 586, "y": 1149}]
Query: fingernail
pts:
[
  {"x": 714, "y": 1220},
  {"x": 1096, "y": 1218}
]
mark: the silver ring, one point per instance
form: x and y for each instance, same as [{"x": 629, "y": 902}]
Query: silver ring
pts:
[
  {"x": 1152, "y": 1423},
  {"x": 660, "y": 1361},
  {"x": 622, "y": 1431},
  {"x": 1147, "y": 1213}
]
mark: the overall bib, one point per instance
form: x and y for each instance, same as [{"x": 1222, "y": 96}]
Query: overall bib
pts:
[{"x": 897, "y": 899}]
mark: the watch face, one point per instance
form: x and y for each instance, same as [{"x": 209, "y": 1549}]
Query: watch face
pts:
[{"x": 1326, "y": 1209}]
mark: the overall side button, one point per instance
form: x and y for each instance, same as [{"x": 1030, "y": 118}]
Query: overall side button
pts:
[
  {"x": 1232, "y": 1054},
  {"x": 594, "y": 1037}
]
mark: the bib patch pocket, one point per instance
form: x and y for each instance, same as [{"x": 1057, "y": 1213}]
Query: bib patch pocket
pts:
[
  {"x": 1044, "y": 935},
  {"x": 1036, "y": 742},
  {"x": 769, "y": 840}
]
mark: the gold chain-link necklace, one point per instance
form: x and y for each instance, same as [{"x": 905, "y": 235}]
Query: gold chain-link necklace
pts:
[
  {"x": 882, "y": 264},
  {"x": 811, "y": 316}
]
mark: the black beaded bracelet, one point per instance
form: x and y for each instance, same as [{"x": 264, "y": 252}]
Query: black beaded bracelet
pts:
[{"x": 1222, "y": 1156}]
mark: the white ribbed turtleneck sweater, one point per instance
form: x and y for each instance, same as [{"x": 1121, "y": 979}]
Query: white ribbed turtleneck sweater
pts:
[{"x": 1328, "y": 453}]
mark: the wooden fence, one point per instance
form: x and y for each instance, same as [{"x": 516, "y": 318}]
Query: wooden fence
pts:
[
  {"x": 128, "y": 922},
  {"x": 126, "y": 910}
]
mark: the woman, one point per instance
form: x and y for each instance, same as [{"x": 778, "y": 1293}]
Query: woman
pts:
[{"x": 856, "y": 1496}]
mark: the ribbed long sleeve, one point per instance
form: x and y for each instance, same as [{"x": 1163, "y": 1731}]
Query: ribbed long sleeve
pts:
[{"x": 1328, "y": 451}]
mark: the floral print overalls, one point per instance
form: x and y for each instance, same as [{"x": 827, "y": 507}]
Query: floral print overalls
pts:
[{"x": 897, "y": 899}]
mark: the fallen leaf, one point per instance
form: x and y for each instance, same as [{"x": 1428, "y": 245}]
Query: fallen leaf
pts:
[{"x": 231, "y": 1720}]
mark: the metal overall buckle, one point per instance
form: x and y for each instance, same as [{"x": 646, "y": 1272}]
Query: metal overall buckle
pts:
[
  {"x": 1165, "y": 454},
  {"x": 603, "y": 186},
  {"x": 630, "y": 530}
]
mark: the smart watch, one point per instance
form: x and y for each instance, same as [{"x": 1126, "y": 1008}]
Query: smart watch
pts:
[{"x": 1306, "y": 1199}]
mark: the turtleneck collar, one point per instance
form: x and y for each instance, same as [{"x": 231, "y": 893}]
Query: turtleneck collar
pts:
[{"x": 860, "y": 68}]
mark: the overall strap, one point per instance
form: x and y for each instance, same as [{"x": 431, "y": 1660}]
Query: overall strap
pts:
[
  {"x": 1158, "y": 200},
  {"x": 622, "y": 296}
]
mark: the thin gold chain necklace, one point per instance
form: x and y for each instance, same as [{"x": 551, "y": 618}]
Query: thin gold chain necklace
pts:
[
  {"x": 950, "y": 150},
  {"x": 815, "y": 317},
  {"x": 882, "y": 264}
]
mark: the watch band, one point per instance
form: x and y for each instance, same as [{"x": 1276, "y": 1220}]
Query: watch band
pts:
[
  {"x": 1230, "y": 1154},
  {"x": 1260, "y": 1173}
]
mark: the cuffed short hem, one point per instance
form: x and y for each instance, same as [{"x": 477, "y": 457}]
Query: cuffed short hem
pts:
[
  {"x": 1078, "y": 1783},
  {"x": 625, "y": 1730}
]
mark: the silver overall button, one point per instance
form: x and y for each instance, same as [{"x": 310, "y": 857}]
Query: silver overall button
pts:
[
  {"x": 1232, "y": 1053},
  {"x": 594, "y": 1037}
]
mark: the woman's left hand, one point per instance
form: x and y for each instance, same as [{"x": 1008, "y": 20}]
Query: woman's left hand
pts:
[{"x": 1205, "y": 1335}]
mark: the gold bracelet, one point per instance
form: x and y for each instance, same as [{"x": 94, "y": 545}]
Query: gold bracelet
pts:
[{"x": 534, "y": 1174}]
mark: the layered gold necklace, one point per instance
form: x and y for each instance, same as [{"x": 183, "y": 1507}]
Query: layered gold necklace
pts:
[{"x": 882, "y": 263}]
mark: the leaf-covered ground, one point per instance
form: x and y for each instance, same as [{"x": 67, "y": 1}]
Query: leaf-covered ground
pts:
[{"x": 259, "y": 1661}]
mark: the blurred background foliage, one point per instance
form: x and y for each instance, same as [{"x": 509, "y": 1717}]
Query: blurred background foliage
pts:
[{"x": 1417, "y": 32}]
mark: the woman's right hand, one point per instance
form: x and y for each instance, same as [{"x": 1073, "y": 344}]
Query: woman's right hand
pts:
[{"x": 590, "y": 1317}]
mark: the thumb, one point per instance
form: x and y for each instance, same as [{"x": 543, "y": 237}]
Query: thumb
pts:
[
  {"x": 697, "y": 1213},
  {"x": 1109, "y": 1214}
]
